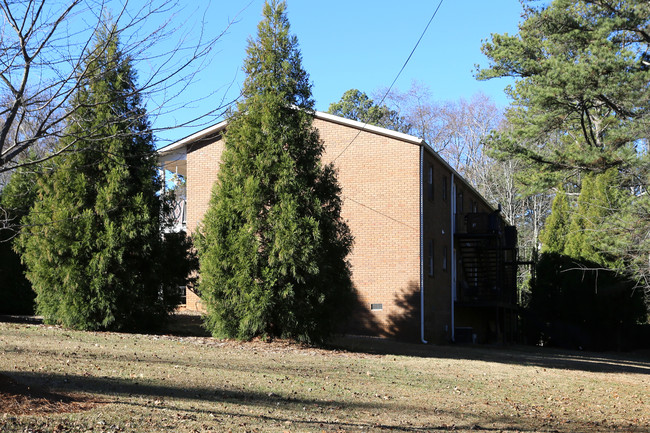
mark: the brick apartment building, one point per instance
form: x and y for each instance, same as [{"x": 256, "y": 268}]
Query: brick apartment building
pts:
[{"x": 432, "y": 260}]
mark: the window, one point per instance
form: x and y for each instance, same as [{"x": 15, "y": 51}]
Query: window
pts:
[
  {"x": 474, "y": 206},
  {"x": 444, "y": 258},
  {"x": 444, "y": 188},
  {"x": 183, "y": 295},
  {"x": 459, "y": 202},
  {"x": 376, "y": 307},
  {"x": 430, "y": 183},
  {"x": 431, "y": 258}
]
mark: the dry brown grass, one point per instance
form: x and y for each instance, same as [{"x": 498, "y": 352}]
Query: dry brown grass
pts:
[{"x": 148, "y": 383}]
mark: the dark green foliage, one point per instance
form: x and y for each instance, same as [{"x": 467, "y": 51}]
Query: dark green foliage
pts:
[
  {"x": 16, "y": 198},
  {"x": 357, "y": 105},
  {"x": 577, "y": 303},
  {"x": 92, "y": 241},
  {"x": 556, "y": 227},
  {"x": 16, "y": 294},
  {"x": 601, "y": 199},
  {"x": 272, "y": 246},
  {"x": 583, "y": 294}
]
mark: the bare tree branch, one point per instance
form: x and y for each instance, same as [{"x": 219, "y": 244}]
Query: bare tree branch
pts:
[{"x": 43, "y": 45}]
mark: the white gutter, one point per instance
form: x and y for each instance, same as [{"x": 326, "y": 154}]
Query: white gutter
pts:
[
  {"x": 370, "y": 128},
  {"x": 453, "y": 259},
  {"x": 193, "y": 137},
  {"x": 422, "y": 246}
]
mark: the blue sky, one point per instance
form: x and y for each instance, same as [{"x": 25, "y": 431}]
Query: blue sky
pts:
[{"x": 357, "y": 44}]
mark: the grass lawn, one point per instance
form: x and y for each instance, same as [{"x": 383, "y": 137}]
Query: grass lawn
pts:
[{"x": 56, "y": 380}]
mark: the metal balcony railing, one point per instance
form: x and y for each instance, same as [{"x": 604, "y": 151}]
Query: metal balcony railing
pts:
[{"x": 179, "y": 215}]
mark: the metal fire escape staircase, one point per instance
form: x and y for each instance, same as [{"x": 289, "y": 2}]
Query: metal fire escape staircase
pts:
[
  {"x": 482, "y": 264},
  {"x": 487, "y": 283},
  {"x": 488, "y": 258}
]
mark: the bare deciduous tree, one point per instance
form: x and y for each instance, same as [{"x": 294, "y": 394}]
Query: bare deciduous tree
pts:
[
  {"x": 42, "y": 47},
  {"x": 455, "y": 129}
]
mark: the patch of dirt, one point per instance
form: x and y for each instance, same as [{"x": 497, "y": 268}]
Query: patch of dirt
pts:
[{"x": 20, "y": 399}]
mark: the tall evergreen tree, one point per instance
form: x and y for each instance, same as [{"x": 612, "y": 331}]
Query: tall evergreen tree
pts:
[
  {"x": 92, "y": 241},
  {"x": 273, "y": 246},
  {"x": 577, "y": 244},
  {"x": 600, "y": 200},
  {"x": 582, "y": 71},
  {"x": 556, "y": 227}
]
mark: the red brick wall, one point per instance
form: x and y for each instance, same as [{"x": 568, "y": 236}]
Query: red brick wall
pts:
[
  {"x": 203, "y": 161},
  {"x": 379, "y": 177},
  {"x": 437, "y": 228}
]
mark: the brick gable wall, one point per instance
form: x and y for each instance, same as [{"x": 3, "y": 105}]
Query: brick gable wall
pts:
[
  {"x": 379, "y": 177},
  {"x": 381, "y": 180}
]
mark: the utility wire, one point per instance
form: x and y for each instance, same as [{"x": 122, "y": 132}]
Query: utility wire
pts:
[
  {"x": 381, "y": 102},
  {"x": 380, "y": 213},
  {"x": 396, "y": 78}
]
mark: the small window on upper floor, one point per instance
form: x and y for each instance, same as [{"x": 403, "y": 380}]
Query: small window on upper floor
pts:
[
  {"x": 459, "y": 202},
  {"x": 474, "y": 206},
  {"x": 430, "y": 183}
]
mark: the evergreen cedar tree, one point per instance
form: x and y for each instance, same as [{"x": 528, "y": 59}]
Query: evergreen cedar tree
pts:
[
  {"x": 556, "y": 226},
  {"x": 580, "y": 232},
  {"x": 272, "y": 245},
  {"x": 92, "y": 241}
]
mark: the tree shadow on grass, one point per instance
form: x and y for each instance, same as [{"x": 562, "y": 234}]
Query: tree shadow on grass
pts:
[
  {"x": 19, "y": 399},
  {"x": 596, "y": 362},
  {"x": 111, "y": 390}
]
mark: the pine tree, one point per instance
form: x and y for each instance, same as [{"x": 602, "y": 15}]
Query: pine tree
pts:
[
  {"x": 92, "y": 241},
  {"x": 580, "y": 104},
  {"x": 556, "y": 227},
  {"x": 273, "y": 247},
  {"x": 356, "y": 105}
]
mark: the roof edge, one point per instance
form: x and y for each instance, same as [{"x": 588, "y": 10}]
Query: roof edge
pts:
[
  {"x": 448, "y": 166},
  {"x": 193, "y": 137},
  {"x": 317, "y": 114},
  {"x": 341, "y": 121},
  {"x": 367, "y": 127}
]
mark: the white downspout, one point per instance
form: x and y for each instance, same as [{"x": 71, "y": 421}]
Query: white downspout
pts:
[
  {"x": 453, "y": 259},
  {"x": 421, "y": 181}
]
